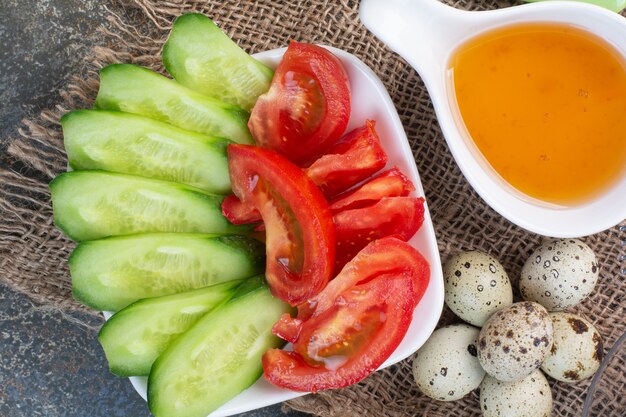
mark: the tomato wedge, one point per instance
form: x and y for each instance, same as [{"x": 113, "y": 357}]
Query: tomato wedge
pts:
[
  {"x": 300, "y": 238},
  {"x": 391, "y": 183},
  {"x": 339, "y": 168},
  {"x": 238, "y": 213},
  {"x": 354, "y": 158},
  {"x": 350, "y": 328},
  {"x": 388, "y": 255},
  {"x": 307, "y": 107},
  {"x": 390, "y": 216},
  {"x": 360, "y": 215}
]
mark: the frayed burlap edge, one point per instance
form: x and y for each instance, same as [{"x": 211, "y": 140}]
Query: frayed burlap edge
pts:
[{"x": 33, "y": 253}]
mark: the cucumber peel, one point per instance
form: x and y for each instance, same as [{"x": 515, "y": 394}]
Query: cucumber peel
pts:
[
  {"x": 133, "y": 89},
  {"x": 134, "y": 337},
  {"x": 200, "y": 56},
  {"x": 109, "y": 274},
  {"x": 130, "y": 144},
  {"x": 217, "y": 358},
  {"x": 90, "y": 205}
]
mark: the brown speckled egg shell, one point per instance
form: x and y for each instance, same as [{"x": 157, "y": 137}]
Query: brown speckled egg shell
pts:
[
  {"x": 529, "y": 397},
  {"x": 515, "y": 341},
  {"x": 559, "y": 274},
  {"x": 446, "y": 367},
  {"x": 476, "y": 286},
  {"x": 577, "y": 350}
]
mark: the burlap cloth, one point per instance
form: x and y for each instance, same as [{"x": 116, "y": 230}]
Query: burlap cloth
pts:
[{"x": 33, "y": 253}]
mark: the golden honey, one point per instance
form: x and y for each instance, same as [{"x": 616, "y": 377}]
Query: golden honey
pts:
[{"x": 546, "y": 106}]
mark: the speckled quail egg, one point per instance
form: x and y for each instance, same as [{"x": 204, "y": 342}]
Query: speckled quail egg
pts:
[
  {"x": 559, "y": 274},
  {"x": 476, "y": 286},
  {"x": 577, "y": 350},
  {"x": 446, "y": 367},
  {"x": 529, "y": 397},
  {"x": 515, "y": 341}
]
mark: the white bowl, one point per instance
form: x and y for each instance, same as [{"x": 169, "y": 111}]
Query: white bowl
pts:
[
  {"x": 370, "y": 100},
  {"x": 427, "y": 32}
]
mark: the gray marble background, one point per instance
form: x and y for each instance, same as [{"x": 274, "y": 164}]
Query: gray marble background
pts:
[{"x": 51, "y": 364}]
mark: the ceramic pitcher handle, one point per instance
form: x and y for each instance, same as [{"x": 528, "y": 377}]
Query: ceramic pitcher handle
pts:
[{"x": 418, "y": 30}]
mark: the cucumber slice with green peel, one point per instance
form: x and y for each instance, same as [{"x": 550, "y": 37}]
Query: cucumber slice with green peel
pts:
[
  {"x": 217, "y": 358},
  {"x": 134, "y": 337},
  {"x": 133, "y": 89},
  {"x": 91, "y": 205},
  {"x": 131, "y": 144},
  {"x": 200, "y": 56},
  {"x": 109, "y": 274}
]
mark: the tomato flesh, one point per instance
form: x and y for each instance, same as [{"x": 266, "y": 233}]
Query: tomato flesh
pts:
[
  {"x": 300, "y": 238},
  {"x": 357, "y": 156},
  {"x": 390, "y": 216},
  {"x": 391, "y": 183},
  {"x": 287, "y": 328},
  {"x": 350, "y": 328},
  {"x": 307, "y": 107},
  {"x": 388, "y": 255},
  {"x": 238, "y": 213},
  {"x": 354, "y": 158},
  {"x": 321, "y": 360}
]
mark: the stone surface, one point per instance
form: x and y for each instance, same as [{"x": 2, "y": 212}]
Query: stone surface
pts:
[
  {"x": 52, "y": 366},
  {"x": 41, "y": 41},
  {"x": 51, "y": 363}
]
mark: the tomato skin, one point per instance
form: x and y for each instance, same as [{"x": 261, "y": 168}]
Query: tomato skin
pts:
[
  {"x": 287, "y": 328},
  {"x": 300, "y": 238},
  {"x": 238, "y": 213},
  {"x": 354, "y": 158},
  {"x": 391, "y": 183},
  {"x": 293, "y": 371},
  {"x": 350, "y": 328},
  {"x": 388, "y": 255},
  {"x": 357, "y": 156},
  {"x": 307, "y": 107},
  {"x": 391, "y": 216}
]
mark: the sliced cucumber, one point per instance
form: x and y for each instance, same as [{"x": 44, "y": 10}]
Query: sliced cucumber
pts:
[
  {"x": 94, "y": 204},
  {"x": 131, "y": 144},
  {"x": 200, "y": 56},
  {"x": 138, "y": 90},
  {"x": 217, "y": 358},
  {"x": 134, "y": 337},
  {"x": 109, "y": 274}
]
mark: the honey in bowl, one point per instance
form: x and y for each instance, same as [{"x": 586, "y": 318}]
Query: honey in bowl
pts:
[{"x": 545, "y": 104}]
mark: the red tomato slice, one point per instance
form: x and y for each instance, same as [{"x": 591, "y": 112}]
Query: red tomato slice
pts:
[
  {"x": 357, "y": 156},
  {"x": 307, "y": 107},
  {"x": 349, "y": 329},
  {"x": 287, "y": 328},
  {"x": 391, "y": 183},
  {"x": 388, "y": 255},
  {"x": 371, "y": 323},
  {"x": 354, "y": 158},
  {"x": 391, "y": 216},
  {"x": 238, "y": 213},
  {"x": 300, "y": 238}
]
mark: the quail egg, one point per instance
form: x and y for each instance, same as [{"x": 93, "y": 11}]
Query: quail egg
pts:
[
  {"x": 446, "y": 367},
  {"x": 476, "y": 286},
  {"x": 559, "y": 274},
  {"x": 577, "y": 350},
  {"x": 515, "y": 341},
  {"x": 529, "y": 397}
]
